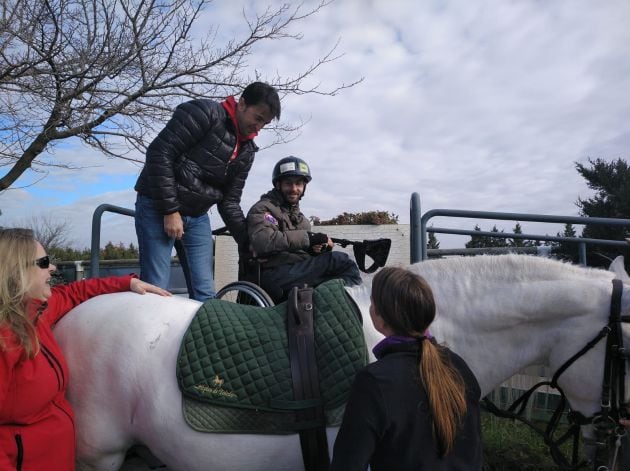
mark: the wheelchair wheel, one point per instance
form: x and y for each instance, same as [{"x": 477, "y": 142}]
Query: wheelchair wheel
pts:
[{"x": 244, "y": 292}]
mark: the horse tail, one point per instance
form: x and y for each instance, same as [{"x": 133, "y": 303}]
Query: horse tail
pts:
[{"x": 446, "y": 390}]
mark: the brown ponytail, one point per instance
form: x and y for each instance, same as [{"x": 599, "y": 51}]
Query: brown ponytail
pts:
[
  {"x": 405, "y": 302},
  {"x": 446, "y": 391}
]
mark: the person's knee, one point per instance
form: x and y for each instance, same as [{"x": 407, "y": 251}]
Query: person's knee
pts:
[
  {"x": 347, "y": 268},
  {"x": 273, "y": 288},
  {"x": 353, "y": 276},
  {"x": 343, "y": 260}
]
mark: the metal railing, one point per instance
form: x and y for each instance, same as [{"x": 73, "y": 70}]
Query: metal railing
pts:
[
  {"x": 419, "y": 228},
  {"x": 95, "y": 247},
  {"x": 95, "y": 259}
]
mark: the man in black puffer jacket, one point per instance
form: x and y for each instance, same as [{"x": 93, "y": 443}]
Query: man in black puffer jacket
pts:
[{"x": 200, "y": 158}]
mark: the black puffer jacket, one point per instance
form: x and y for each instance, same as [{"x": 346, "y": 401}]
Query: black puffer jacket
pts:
[{"x": 187, "y": 166}]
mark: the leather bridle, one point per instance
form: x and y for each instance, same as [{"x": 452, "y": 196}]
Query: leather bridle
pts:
[{"x": 607, "y": 431}]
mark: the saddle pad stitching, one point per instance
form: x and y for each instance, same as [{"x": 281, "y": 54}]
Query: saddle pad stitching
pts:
[{"x": 250, "y": 373}]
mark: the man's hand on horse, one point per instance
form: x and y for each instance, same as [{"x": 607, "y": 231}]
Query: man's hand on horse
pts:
[{"x": 142, "y": 287}]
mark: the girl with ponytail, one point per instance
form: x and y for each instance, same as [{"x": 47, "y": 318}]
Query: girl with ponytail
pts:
[{"x": 417, "y": 407}]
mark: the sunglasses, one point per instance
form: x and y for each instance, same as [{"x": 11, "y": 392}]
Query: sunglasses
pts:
[{"x": 43, "y": 262}]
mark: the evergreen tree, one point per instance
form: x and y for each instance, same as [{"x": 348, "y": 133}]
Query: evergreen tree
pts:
[
  {"x": 482, "y": 241},
  {"x": 433, "y": 242},
  {"x": 519, "y": 242},
  {"x": 118, "y": 252},
  {"x": 477, "y": 241},
  {"x": 567, "y": 250},
  {"x": 109, "y": 252},
  {"x": 611, "y": 183},
  {"x": 497, "y": 241}
]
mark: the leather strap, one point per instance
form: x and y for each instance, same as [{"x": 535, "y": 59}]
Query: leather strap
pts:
[{"x": 305, "y": 379}]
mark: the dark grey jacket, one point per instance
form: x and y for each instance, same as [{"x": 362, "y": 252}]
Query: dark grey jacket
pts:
[
  {"x": 188, "y": 166},
  {"x": 388, "y": 422},
  {"x": 277, "y": 231}
]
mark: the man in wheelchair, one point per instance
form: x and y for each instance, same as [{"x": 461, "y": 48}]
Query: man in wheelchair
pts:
[{"x": 285, "y": 253}]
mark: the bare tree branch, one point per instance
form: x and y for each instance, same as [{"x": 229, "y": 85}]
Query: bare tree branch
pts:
[
  {"x": 50, "y": 232},
  {"x": 109, "y": 72}
]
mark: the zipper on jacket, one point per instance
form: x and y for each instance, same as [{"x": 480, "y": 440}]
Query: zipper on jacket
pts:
[
  {"x": 227, "y": 166},
  {"x": 55, "y": 365},
  {"x": 20, "y": 452},
  {"x": 233, "y": 156}
]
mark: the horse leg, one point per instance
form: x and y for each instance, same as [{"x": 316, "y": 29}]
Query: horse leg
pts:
[
  {"x": 101, "y": 444},
  {"x": 111, "y": 462},
  {"x": 140, "y": 458},
  {"x": 102, "y": 412}
]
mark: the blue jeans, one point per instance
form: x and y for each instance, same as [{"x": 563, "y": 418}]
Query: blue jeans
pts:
[{"x": 194, "y": 250}]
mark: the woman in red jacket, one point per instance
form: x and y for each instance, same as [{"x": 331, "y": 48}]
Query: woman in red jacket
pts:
[{"x": 36, "y": 421}]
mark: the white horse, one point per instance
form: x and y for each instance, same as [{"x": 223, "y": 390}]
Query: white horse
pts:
[{"x": 501, "y": 313}]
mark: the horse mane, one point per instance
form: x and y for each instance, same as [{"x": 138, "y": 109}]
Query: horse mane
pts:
[
  {"x": 509, "y": 268},
  {"x": 478, "y": 278}
]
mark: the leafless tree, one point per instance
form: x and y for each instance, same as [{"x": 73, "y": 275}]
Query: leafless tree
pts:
[
  {"x": 108, "y": 72},
  {"x": 49, "y": 231}
]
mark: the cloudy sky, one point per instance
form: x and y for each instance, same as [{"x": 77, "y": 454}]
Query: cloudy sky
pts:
[{"x": 483, "y": 105}]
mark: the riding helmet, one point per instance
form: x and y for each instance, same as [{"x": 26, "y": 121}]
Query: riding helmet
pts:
[{"x": 291, "y": 166}]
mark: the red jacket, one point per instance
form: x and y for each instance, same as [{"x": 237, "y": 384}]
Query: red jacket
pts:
[{"x": 36, "y": 421}]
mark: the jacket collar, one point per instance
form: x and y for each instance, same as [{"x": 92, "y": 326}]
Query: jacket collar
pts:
[
  {"x": 396, "y": 343},
  {"x": 229, "y": 104},
  {"x": 35, "y": 308}
]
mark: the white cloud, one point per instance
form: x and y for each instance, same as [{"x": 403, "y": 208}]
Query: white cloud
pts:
[{"x": 474, "y": 105}]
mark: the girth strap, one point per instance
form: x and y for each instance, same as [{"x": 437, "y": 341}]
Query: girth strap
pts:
[{"x": 305, "y": 379}]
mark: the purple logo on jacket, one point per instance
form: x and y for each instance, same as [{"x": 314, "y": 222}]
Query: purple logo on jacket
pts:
[{"x": 269, "y": 217}]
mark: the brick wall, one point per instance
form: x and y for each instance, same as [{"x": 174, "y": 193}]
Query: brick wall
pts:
[{"x": 226, "y": 254}]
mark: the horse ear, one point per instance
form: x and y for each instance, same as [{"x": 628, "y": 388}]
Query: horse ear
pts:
[{"x": 617, "y": 267}]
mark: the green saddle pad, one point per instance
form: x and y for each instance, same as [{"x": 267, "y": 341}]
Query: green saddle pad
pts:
[{"x": 234, "y": 370}]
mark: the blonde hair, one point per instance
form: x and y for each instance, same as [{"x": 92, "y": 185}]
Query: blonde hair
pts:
[
  {"x": 405, "y": 302},
  {"x": 17, "y": 252}
]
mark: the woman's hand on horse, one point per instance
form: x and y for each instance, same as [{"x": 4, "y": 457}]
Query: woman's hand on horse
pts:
[
  {"x": 625, "y": 422},
  {"x": 142, "y": 287}
]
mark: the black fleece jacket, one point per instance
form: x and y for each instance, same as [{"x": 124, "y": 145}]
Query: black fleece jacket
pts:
[{"x": 387, "y": 423}]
